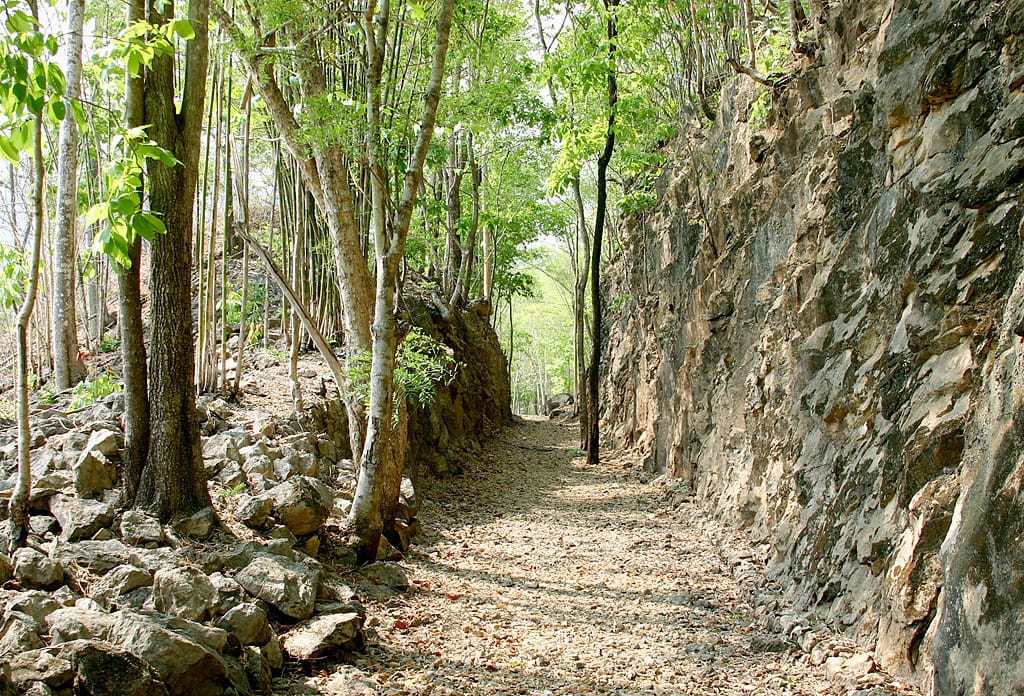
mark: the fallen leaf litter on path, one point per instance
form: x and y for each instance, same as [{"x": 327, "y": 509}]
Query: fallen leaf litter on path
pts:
[{"x": 538, "y": 575}]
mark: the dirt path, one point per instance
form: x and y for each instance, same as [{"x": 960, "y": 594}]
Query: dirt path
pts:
[{"x": 538, "y": 575}]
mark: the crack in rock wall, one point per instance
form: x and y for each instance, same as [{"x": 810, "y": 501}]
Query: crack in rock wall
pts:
[{"x": 820, "y": 327}]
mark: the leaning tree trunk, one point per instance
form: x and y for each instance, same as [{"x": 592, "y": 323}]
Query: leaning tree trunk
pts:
[
  {"x": 18, "y": 504},
  {"x": 593, "y": 397},
  {"x": 173, "y": 481},
  {"x": 366, "y": 520},
  {"x": 67, "y": 365}
]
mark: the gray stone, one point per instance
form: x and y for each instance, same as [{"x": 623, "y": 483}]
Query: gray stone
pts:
[
  {"x": 302, "y": 503},
  {"x": 186, "y": 667},
  {"x": 138, "y": 527},
  {"x": 78, "y": 518},
  {"x": 18, "y": 633},
  {"x": 34, "y": 603},
  {"x": 102, "y": 669},
  {"x": 385, "y": 573},
  {"x": 185, "y": 592},
  {"x": 97, "y": 557},
  {"x": 323, "y": 636},
  {"x": 118, "y": 581},
  {"x": 41, "y": 666},
  {"x": 6, "y": 568},
  {"x": 229, "y": 592},
  {"x": 105, "y": 442},
  {"x": 288, "y": 586},
  {"x": 75, "y": 623},
  {"x": 92, "y": 475},
  {"x": 33, "y": 569},
  {"x": 248, "y": 623},
  {"x": 197, "y": 525},
  {"x": 254, "y": 510}
]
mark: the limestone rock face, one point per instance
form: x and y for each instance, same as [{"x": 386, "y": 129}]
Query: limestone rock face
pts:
[{"x": 819, "y": 328}]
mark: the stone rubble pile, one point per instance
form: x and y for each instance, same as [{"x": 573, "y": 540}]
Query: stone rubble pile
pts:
[{"x": 107, "y": 602}]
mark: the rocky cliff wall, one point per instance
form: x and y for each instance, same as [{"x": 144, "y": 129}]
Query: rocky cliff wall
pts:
[
  {"x": 446, "y": 432},
  {"x": 819, "y": 326}
]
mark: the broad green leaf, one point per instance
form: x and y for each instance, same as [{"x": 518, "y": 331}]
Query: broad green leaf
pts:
[
  {"x": 57, "y": 110},
  {"x": 96, "y": 213},
  {"x": 35, "y": 103},
  {"x": 183, "y": 28},
  {"x": 79, "y": 113},
  {"x": 148, "y": 225},
  {"x": 8, "y": 151},
  {"x": 21, "y": 136},
  {"x": 18, "y": 22}
]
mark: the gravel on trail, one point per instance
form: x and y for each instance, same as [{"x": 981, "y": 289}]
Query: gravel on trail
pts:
[{"x": 539, "y": 575}]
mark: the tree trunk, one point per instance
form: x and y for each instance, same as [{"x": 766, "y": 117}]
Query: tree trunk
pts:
[
  {"x": 133, "y": 344},
  {"x": 366, "y": 516},
  {"x": 18, "y": 506},
  {"x": 67, "y": 366},
  {"x": 173, "y": 481},
  {"x": 593, "y": 398},
  {"x": 580, "y": 313}
]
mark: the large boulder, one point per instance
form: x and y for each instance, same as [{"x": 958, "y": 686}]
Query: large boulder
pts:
[
  {"x": 247, "y": 622},
  {"x": 79, "y": 518},
  {"x": 19, "y": 632},
  {"x": 77, "y": 623},
  {"x": 325, "y": 635},
  {"x": 138, "y": 527},
  {"x": 102, "y": 669},
  {"x": 97, "y": 557},
  {"x": 288, "y": 586},
  {"x": 92, "y": 475},
  {"x": 119, "y": 581},
  {"x": 185, "y": 666},
  {"x": 302, "y": 503},
  {"x": 185, "y": 592},
  {"x": 33, "y": 569}
]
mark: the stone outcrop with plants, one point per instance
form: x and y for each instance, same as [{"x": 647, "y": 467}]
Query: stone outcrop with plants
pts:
[{"x": 819, "y": 326}]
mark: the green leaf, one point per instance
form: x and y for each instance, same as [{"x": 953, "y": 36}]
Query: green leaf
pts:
[
  {"x": 18, "y": 22},
  {"x": 35, "y": 103},
  {"x": 183, "y": 28},
  {"x": 8, "y": 151},
  {"x": 417, "y": 12},
  {"x": 96, "y": 213},
  {"x": 78, "y": 112},
  {"x": 21, "y": 136},
  {"x": 57, "y": 110},
  {"x": 148, "y": 226}
]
